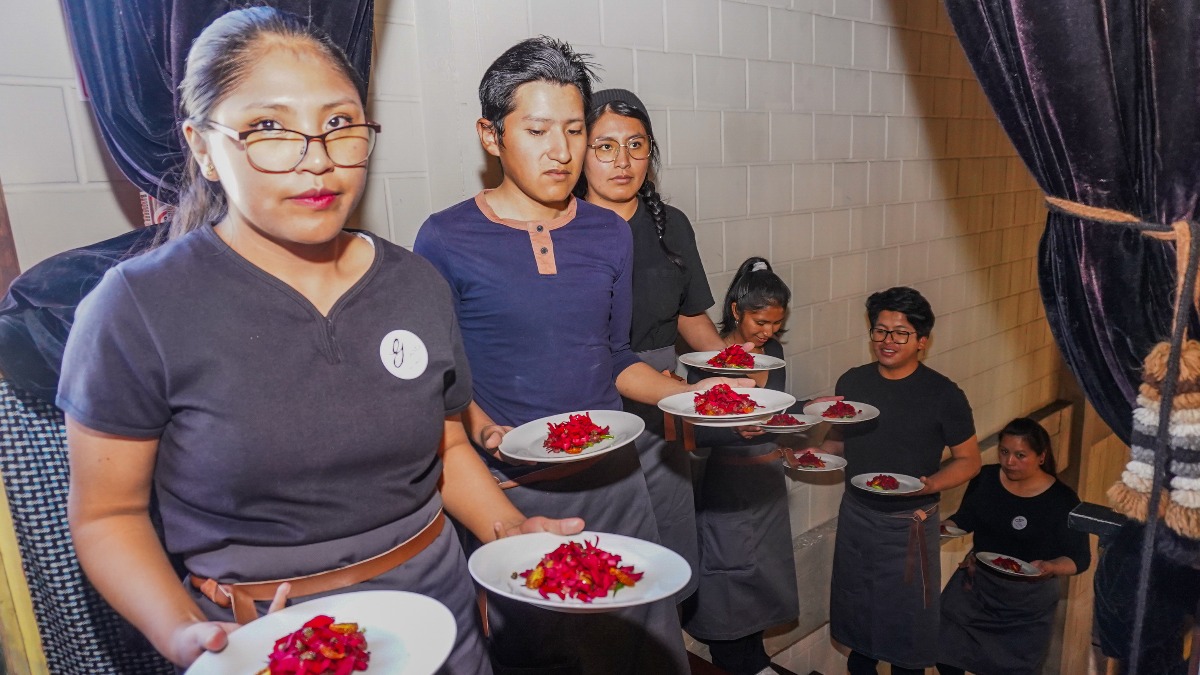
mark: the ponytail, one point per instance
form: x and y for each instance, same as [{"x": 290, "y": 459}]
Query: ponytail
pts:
[{"x": 755, "y": 287}]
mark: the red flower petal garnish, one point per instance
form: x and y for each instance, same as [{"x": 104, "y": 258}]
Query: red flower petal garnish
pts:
[
  {"x": 581, "y": 571},
  {"x": 320, "y": 646},
  {"x": 884, "y": 482},
  {"x": 1007, "y": 564},
  {"x": 782, "y": 420},
  {"x": 840, "y": 410},
  {"x": 810, "y": 461},
  {"x": 733, "y": 356},
  {"x": 723, "y": 400},
  {"x": 575, "y": 435}
]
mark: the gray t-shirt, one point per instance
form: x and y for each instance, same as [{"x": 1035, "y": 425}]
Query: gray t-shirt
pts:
[{"x": 277, "y": 425}]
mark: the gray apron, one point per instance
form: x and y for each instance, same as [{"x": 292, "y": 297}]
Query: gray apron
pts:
[
  {"x": 994, "y": 625},
  {"x": 882, "y": 602},
  {"x": 611, "y": 497},
  {"x": 668, "y": 476},
  {"x": 747, "y": 567},
  {"x": 440, "y": 572}
]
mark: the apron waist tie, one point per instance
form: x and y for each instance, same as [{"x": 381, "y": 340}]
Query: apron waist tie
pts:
[
  {"x": 241, "y": 596},
  {"x": 916, "y": 554}
]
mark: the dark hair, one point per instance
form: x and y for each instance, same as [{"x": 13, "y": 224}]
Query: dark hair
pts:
[
  {"x": 647, "y": 192},
  {"x": 754, "y": 287},
  {"x": 539, "y": 59},
  {"x": 906, "y": 301},
  {"x": 217, "y": 63},
  {"x": 1037, "y": 438}
]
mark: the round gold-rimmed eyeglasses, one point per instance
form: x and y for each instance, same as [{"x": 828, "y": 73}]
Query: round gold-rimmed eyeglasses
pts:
[
  {"x": 638, "y": 147},
  {"x": 282, "y": 150}
]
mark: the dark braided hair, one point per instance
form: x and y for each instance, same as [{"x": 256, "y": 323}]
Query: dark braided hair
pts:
[{"x": 647, "y": 193}]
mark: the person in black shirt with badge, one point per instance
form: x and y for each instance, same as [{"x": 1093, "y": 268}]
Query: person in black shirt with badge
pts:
[
  {"x": 886, "y": 578},
  {"x": 995, "y": 622}
]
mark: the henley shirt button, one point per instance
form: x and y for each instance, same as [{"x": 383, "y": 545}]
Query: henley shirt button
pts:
[
  {"x": 540, "y": 228},
  {"x": 544, "y": 249}
]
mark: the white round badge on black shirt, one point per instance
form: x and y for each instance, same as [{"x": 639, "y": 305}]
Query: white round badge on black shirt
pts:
[
  {"x": 1019, "y": 523},
  {"x": 403, "y": 354}
]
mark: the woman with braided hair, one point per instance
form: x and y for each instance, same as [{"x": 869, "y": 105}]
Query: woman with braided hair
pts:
[{"x": 670, "y": 292}]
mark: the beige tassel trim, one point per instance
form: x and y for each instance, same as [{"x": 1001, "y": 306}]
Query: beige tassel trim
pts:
[
  {"x": 1133, "y": 504},
  {"x": 1151, "y": 394},
  {"x": 1185, "y": 521},
  {"x": 1155, "y": 365}
]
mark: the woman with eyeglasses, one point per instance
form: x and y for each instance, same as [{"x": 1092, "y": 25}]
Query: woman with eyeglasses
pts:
[
  {"x": 290, "y": 390},
  {"x": 670, "y": 293}
]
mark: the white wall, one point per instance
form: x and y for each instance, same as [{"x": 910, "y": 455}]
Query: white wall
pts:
[{"x": 846, "y": 140}]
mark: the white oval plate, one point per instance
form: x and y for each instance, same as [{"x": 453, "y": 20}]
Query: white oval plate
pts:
[
  {"x": 526, "y": 441},
  {"x": 908, "y": 484},
  {"x": 951, "y": 532},
  {"x": 493, "y": 565},
  {"x": 406, "y": 633},
  {"x": 832, "y": 463},
  {"x": 866, "y": 412},
  {"x": 725, "y": 424},
  {"x": 769, "y": 400},
  {"x": 989, "y": 559},
  {"x": 761, "y": 362},
  {"x": 806, "y": 421}
]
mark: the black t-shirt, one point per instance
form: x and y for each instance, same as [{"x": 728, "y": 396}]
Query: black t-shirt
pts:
[
  {"x": 277, "y": 425},
  {"x": 919, "y": 416},
  {"x": 1029, "y": 528},
  {"x": 661, "y": 290}
]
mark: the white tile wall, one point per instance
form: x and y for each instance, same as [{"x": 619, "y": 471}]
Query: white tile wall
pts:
[{"x": 846, "y": 139}]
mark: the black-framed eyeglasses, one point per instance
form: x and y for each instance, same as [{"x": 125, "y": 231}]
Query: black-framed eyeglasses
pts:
[
  {"x": 899, "y": 337},
  {"x": 282, "y": 150},
  {"x": 638, "y": 147}
]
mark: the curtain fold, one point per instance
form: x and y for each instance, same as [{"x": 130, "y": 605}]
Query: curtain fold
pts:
[
  {"x": 131, "y": 56},
  {"x": 1093, "y": 96}
]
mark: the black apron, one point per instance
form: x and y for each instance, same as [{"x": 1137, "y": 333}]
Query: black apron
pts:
[
  {"x": 747, "y": 566},
  {"x": 882, "y": 602},
  {"x": 668, "y": 476},
  {"x": 993, "y": 625}
]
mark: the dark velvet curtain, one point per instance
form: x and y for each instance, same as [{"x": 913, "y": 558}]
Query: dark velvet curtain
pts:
[
  {"x": 131, "y": 54},
  {"x": 1100, "y": 100}
]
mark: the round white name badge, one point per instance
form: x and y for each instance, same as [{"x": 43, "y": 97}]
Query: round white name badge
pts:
[
  {"x": 403, "y": 354},
  {"x": 1019, "y": 523}
]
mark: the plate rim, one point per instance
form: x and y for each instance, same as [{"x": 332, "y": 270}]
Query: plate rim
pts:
[
  {"x": 749, "y": 391},
  {"x": 1014, "y": 558},
  {"x": 825, "y": 456},
  {"x": 951, "y": 535},
  {"x": 870, "y": 411},
  {"x": 791, "y": 428},
  {"x": 892, "y": 493},
  {"x": 303, "y": 611},
  {"x": 565, "y": 458},
  {"x": 579, "y": 607},
  {"x": 719, "y": 369}
]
